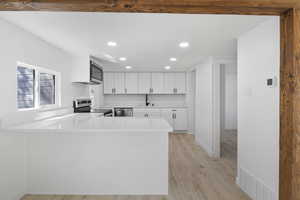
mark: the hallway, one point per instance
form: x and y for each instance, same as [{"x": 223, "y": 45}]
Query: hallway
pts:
[{"x": 229, "y": 148}]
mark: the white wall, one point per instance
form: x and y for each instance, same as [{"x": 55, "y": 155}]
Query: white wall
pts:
[
  {"x": 138, "y": 100},
  {"x": 12, "y": 166},
  {"x": 190, "y": 99},
  {"x": 230, "y": 96},
  {"x": 207, "y": 106},
  {"x": 203, "y": 105},
  {"x": 258, "y": 111},
  {"x": 19, "y": 45}
]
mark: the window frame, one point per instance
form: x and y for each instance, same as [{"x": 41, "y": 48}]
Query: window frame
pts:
[{"x": 36, "y": 93}]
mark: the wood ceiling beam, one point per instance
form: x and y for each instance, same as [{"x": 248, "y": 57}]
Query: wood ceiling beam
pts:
[
  {"x": 254, "y": 7},
  {"x": 290, "y": 106}
]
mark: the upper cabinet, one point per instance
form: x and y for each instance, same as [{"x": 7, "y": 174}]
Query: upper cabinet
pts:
[
  {"x": 180, "y": 83},
  {"x": 131, "y": 83},
  {"x": 175, "y": 83},
  {"x": 119, "y": 83},
  {"x": 144, "y": 83},
  {"x": 157, "y": 83},
  {"x": 109, "y": 83},
  {"x": 114, "y": 83}
]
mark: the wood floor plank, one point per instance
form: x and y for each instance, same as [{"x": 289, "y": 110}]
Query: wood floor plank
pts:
[{"x": 193, "y": 175}]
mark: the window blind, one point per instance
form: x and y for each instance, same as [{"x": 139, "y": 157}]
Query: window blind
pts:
[
  {"x": 25, "y": 83},
  {"x": 47, "y": 88}
]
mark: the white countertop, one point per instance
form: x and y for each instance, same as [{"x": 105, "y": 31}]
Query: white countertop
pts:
[
  {"x": 82, "y": 123},
  {"x": 145, "y": 107}
]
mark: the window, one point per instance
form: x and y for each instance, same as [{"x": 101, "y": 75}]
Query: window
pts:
[
  {"x": 47, "y": 89},
  {"x": 37, "y": 87},
  {"x": 25, "y": 87}
]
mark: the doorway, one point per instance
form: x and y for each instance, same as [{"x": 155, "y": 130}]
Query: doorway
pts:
[{"x": 228, "y": 113}]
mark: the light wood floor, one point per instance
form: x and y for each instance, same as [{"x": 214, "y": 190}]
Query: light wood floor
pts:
[
  {"x": 229, "y": 148},
  {"x": 193, "y": 176}
]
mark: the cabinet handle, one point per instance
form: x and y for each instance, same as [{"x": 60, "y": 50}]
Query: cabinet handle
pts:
[
  {"x": 112, "y": 90},
  {"x": 125, "y": 90},
  {"x": 175, "y": 116}
]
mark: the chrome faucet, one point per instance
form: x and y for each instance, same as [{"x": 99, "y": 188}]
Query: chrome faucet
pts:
[{"x": 147, "y": 100}]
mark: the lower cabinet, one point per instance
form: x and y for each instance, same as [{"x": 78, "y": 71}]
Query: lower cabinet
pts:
[
  {"x": 151, "y": 113},
  {"x": 177, "y": 118}
]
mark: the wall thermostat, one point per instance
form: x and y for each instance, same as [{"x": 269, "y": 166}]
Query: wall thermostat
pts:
[{"x": 271, "y": 82}]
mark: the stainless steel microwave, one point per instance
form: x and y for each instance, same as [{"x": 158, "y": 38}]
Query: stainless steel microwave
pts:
[{"x": 96, "y": 73}]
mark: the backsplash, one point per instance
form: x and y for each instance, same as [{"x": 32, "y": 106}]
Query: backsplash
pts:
[{"x": 138, "y": 100}]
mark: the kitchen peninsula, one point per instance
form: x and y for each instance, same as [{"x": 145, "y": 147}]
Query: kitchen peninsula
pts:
[{"x": 89, "y": 154}]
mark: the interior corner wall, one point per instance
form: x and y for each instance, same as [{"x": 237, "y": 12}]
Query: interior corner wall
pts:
[
  {"x": 230, "y": 96},
  {"x": 20, "y": 45},
  {"x": 258, "y": 110},
  {"x": 203, "y": 105}
]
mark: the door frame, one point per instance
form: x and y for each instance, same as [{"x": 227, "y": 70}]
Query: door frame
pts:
[{"x": 289, "y": 12}]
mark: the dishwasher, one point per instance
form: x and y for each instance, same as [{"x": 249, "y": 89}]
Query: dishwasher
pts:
[{"x": 123, "y": 111}]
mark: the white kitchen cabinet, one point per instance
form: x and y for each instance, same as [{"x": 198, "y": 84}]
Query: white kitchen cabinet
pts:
[
  {"x": 154, "y": 113},
  {"x": 169, "y": 83},
  {"x": 180, "y": 83},
  {"x": 175, "y": 83},
  {"x": 144, "y": 83},
  {"x": 177, "y": 118},
  {"x": 139, "y": 113},
  {"x": 109, "y": 83},
  {"x": 167, "y": 114},
  {"x": 119, "y": 83},
  {"x": 180, "y": 119},
  {"x": 114, "y": 83},
  {"x": 131, "y": 83},
  {"x": 148, "y": 112},
  {"x": 157, "y": 83}
]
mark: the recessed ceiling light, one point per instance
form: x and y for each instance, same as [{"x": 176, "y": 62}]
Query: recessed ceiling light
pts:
[
  {"x": 111, "y": 43},
  {"x": 173, "y": 59},
  {"x": 123, "y": 59},
  {"x": 184, "y": 44},
  {"x": 167, "y": 67},
  {"x": 128, "y": 67}
]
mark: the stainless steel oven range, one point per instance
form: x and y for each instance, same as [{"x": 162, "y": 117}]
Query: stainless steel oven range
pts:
[{"x": 85, "y": 106}]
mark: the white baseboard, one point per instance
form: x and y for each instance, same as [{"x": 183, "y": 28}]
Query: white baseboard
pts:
[{"x": 253, "y": 186}]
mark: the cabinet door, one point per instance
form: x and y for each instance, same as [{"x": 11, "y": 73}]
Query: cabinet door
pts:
[
  {"x": 108, "y": 83},
  {"x": 131, "y": 83},
  {"x": 154, "y": 113},
  {"x": 169, "y": 83},
  {"x": 140, "y": 113},
  {"x": 120, "y": 83},
  {"x": 180, "y": 83},
  {"x": 180, "y": 121},
  {"x": 144, "y": 84},
  {"x": 157, "y": 80},
  {"x": 167, "y": 114}
]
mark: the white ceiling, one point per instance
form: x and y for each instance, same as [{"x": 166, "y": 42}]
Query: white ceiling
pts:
[{"x": 146, "y": 40}]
